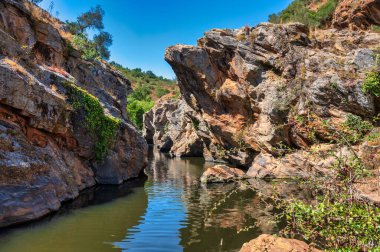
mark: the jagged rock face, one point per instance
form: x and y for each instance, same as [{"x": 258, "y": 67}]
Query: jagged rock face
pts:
[
  {"x": 250, "y": 88},
  {"x": 356, "y": 14},
  {"x": 174, "y": 127},
  {"x": 46, "y": 151}
]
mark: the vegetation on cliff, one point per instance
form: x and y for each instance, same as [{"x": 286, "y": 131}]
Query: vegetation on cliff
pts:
[
  {"x": 103, "y": 127},
  {"x": 148, "y": 87},
  {"x": 301, "y": 11}
]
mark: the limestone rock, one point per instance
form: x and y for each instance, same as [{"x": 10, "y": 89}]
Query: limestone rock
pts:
[
  {"x": 271, "y": 243},
  {"x": 222, "y": 174}
]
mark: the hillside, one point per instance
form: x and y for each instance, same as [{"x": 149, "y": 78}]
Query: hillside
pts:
[{"x": 147, "y": 89}]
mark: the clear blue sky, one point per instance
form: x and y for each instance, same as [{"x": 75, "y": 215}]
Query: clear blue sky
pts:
[{"x": 143, "y": 29}]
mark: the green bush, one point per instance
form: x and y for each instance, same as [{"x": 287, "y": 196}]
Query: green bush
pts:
[
  {"x": 371, "y": 83},
  {"x": 161, "y": 91},
  {"x": 356, "y": 128},
  {"x": 335, "y": 225},
  {"x": 136, "y": 109},
  {"x": 88, "y": 49},
  {"x": 102, "y": 126}
]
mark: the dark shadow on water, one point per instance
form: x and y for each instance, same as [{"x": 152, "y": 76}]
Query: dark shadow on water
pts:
[{"x": 94, "y": 196}]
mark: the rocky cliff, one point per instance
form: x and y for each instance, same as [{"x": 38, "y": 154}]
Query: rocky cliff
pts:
[
  {"x": 63, "y": 121},
  {"x": 265, "y": 88}
]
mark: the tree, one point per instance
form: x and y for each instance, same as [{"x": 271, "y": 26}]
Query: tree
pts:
[
  {"x": 102, "y": 42},
  {"x": 92, "y": 19},
  {"x": 95, "y": 48},
  {"x": 36, "y": 1}
]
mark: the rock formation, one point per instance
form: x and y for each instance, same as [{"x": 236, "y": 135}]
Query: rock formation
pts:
[
  {"x": 274, "y": 86},
  {"x": 355, "y": 14},
  {"x": 222, "y": 174},
  {"x": 63, "y": 121},
  {"x": 276, "y": 244}
]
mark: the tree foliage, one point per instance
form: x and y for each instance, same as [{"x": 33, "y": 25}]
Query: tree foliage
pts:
[
  {"x": 148, "y": 87},
  {"x": 36, "y": 1},
  {"x": 98, "y": 46}
]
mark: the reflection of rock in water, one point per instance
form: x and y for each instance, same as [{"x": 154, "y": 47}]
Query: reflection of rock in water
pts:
[{"x": 113, "y": 209}]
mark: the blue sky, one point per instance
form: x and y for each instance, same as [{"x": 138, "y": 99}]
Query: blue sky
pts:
[{"x": 143, "y": 29}]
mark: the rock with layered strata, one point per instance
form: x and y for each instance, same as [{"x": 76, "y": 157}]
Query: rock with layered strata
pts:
[
  {"x": 47, "y": 153},
  {"x": 261, "y": 88}
]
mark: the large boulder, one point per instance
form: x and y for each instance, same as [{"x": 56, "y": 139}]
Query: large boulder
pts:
[
  {"x": 272, "y": 243},
  {"x": 50, "y": 149}
]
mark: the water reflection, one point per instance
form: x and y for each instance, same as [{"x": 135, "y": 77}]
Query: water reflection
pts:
[
  {"x": 170, "y": 211},
  {"x": 184, "y": 215}
]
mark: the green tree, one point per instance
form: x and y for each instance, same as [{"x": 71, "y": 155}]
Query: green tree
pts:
[
  {"x": 95, "y": 48},
  {"x": 92, "y": 19},
  {"x": 36, "y": 1},
  {"x": 102, "y": 42}
]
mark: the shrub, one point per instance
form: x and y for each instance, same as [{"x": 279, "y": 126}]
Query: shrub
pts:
[
  {"x": 103, "y": 127},
  {"x": 375, "y": 28},
  {"x": 335, "y": 225},
  {"x": 371, "y": 83},
  {"x": 88, "y": 49},
  {"x": 161, "y": 91},
  {"x": 356, "y": 128},
  {"x": 136, "y": 110}
]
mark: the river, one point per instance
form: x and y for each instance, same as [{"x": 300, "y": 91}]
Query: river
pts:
[{"x": 168, "y": 211}]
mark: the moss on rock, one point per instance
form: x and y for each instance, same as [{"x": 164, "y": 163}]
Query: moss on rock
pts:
[{"x": 104, "y": 127}]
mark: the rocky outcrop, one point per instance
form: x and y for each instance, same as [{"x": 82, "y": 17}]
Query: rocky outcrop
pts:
[
  {"x": 355, "y": 14},
  {"x": 276, "y": 244},
  {"x": 222, "y": 174},
  {"x": 63, "y": 121},
  {"x": 270, "y": 86},
  {"x": 174, "y": 127}
]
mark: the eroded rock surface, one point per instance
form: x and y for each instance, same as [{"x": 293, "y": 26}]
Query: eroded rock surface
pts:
[
  {"x": 47, "y": 153},
  {"x": 274, "y": 85},
  {"x": 355, "y": 14}
]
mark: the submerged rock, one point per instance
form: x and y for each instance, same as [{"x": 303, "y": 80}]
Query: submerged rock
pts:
[
  {"x": 222, "y": 174},
  {"x": 272, "y": 243}
]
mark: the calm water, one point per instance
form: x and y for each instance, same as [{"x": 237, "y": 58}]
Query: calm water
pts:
[{"x": 169, "y": 211}]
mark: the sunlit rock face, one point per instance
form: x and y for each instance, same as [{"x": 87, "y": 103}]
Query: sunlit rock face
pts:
[
  {"x": 357, "y": 14},
  {"x": 260, "y": 88},
  {"x": 47, "y": 154}
]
